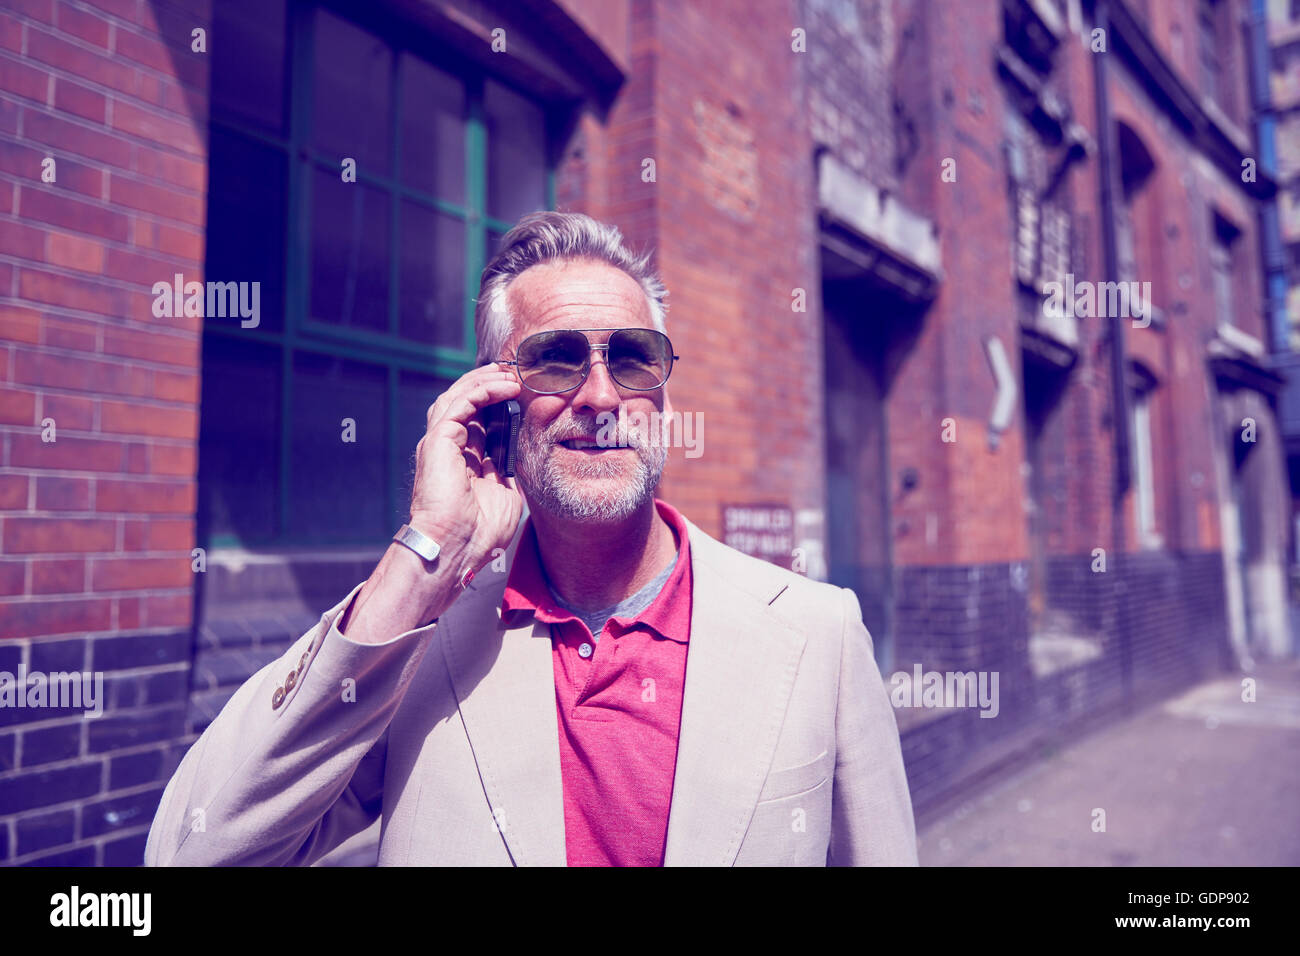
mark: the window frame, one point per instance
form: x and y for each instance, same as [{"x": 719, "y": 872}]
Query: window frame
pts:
[
  {"x": 299, "y": 331},
  {"x": 1143, "y": 388},
  {"x": 1208, "y": 15},
  {"x": 1224, "y": 250},
  {"x": 1144, "y": 497}
]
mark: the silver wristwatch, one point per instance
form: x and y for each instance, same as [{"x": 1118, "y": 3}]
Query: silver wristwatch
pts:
[{"x": 421, "y": 544}]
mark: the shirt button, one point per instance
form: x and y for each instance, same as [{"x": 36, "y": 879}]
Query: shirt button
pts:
[{"x": 585, "y": 650}]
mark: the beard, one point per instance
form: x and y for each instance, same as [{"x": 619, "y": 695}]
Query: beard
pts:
[{"x": 597, "y": 489}]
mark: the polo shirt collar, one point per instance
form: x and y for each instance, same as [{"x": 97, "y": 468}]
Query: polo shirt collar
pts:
[{"x": 668, "y": 615}]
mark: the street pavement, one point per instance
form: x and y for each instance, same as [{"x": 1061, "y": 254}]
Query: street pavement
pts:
[{"x": 1203, "y": 779}]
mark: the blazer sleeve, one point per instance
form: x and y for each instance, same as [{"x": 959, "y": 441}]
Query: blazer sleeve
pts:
[
  {"x": 294, "y": 763},
  {"x": 871, "y": 813}
]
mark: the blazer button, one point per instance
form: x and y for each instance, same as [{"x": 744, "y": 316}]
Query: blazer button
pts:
[
  {"x": 290, "y": 681},
  {"x": 301, "y": 661},
  {"x": 277, "y": 698}
]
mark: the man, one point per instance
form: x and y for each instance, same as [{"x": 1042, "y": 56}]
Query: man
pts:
[{"x": 625, "y": 690}]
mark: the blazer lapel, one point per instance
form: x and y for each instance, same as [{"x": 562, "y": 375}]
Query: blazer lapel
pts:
[
  {"x": 740, "y": 670},
  {"x": 503, "y": 678}
]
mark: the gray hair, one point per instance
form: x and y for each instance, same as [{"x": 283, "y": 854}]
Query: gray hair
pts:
[{"x": 548, "y": 237}]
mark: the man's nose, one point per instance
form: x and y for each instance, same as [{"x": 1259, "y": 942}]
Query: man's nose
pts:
[{"x": 598, "y": 393}]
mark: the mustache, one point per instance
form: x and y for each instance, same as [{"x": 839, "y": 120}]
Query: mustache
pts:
[{"x": 574, "y": 427}]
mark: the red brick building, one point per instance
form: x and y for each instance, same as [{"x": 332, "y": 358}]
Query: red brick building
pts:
[
  {"x": 855, "y": 206},
  {"x": 1093, "y": 567}
]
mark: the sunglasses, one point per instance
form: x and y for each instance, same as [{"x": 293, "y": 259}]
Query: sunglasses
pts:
[{"x": 560, "y": 360}]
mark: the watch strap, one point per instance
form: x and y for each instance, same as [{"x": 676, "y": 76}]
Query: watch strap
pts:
[{"x": 421, "y": 544}]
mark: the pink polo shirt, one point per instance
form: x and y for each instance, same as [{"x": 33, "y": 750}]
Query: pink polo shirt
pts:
[{"x": 619, "y": 709}]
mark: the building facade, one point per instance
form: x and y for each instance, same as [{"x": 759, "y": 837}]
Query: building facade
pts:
[
  {"x": 1279, "y": 131},
  {"x": 1091, "y": 566},
  {"x": 970, "y": 299}
]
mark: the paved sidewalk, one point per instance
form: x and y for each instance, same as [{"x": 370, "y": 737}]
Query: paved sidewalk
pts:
[{"x": 1204, "y": 779}]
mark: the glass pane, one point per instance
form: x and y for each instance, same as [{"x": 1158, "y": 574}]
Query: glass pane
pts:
[
  {"x": 349, "y": 253},
  {"x": 248, "y": 62},
  {"x": 247, "y": 186},
  {"x": 337, "y": 486},
  {"x": 351, "y": 82},
  {"x": 415, "y": 393},
  {"x": 239, "y": 438},
  {"x": 433, "y": 130},
  {"x": 432, "y": 277},
  {"x": 1222, "y": 292},
  {"x": 516, "y": 146}
]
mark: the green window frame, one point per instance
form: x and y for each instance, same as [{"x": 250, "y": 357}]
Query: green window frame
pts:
[{"x": 301, "y": 333}]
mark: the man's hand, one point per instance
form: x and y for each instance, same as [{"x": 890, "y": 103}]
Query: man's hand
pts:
[{"x": 458, "y": 499}]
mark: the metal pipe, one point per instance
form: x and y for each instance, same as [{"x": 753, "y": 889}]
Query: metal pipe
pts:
[
  {"x": 1119, "y": 394},
  {"x": 1275, "y": 284}
]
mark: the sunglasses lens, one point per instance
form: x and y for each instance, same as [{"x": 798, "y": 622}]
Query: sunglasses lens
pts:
[
  {"x": 640, "y": 358},
  {"x": 553, "y": 361}
]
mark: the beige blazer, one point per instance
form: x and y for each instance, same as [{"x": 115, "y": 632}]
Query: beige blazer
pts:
[{"x": 788, "y": 751}]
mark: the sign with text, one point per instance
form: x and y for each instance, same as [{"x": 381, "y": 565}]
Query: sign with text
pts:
[{"x": 762, "y": 531}]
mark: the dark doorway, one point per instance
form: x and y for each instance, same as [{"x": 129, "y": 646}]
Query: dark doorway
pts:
[
  {"x": 1047, "y": 460},
  {"x": 866, "y": 331}
]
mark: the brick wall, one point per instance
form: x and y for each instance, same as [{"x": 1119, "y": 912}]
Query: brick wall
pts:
[
  {"x": 957, "y": 113},
  {"x": 1179, "y": 636},
  {"x": 96, "y": 526},
  {"x": 731, "y": 217}
]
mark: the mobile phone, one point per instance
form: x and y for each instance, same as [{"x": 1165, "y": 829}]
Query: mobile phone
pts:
[{"x": 501, "y": 422}]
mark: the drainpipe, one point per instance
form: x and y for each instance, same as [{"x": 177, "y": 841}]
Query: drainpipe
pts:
[
  {"x": 1265, "y": 133},
  {"x": 1119, "y": 394}
]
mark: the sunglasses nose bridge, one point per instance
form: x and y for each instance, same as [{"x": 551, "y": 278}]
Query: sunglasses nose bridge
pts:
[{"x": 588, "y": 364}]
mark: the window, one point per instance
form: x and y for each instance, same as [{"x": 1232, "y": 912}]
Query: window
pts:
[
  {"x": 1042, "y": 246},
  {"x": 1056, "y": 243},
  {"x": 1125, "y": 244},
  {"x": 1040, "y": 252},
  {"x": 1144, "y": 498},
  {"x": 1219, "y": 57},
  {"x": 1136, "y": 167},
  {"x": 1207, "y": 17},
  {"x": 310, "y": 418},
  {"x": 1222, "y": 248},
  {"x": 1027, "y": 234},
  {"x": 1033, "y": 28}
]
